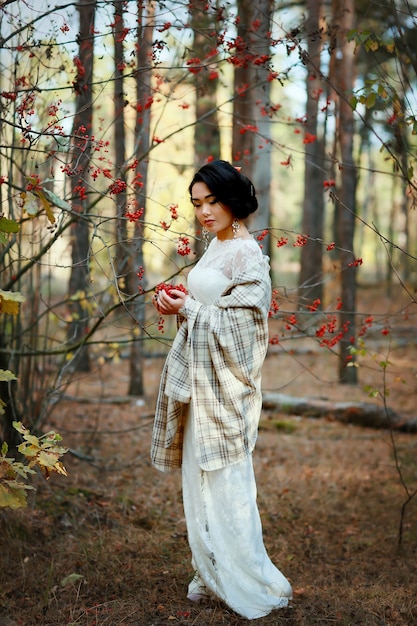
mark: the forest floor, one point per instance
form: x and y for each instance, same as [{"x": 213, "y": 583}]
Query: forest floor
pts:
[{"x": 108, "y": 545}]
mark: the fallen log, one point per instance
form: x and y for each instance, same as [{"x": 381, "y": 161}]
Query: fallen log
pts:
[{"x": 358, "y": 413}]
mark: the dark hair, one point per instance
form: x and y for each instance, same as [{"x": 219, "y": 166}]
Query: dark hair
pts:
[{"x": 229, "y": 186}]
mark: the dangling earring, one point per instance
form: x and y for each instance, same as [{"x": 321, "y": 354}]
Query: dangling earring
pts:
[
  {"x": 235, "y": 228},
  {"x": 205, "y": 235}
]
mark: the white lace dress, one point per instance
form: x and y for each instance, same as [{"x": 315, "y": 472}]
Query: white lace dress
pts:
[{"x": 223, "y": 522}]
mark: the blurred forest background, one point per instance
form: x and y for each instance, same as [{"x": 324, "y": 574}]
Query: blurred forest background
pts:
[{"x": 107, "y": 109}]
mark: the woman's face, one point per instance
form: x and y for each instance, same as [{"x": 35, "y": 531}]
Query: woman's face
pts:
[{"x": 214, "y": 216}]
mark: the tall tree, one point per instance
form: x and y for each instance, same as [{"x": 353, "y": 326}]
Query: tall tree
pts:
[
  {"x": 122, "y": 251},
  {"x": 252, "y": 103},
  {"x": 81, "y": 149},
  {"x": 310, "y": 278},
  {"x": 144, "y": 38},
  {"x": 342, "y": 74},
  {"x": 205, "y": 79},
  {"x": 243, "y": 103},
  {"x": 385, "y": 49},
  {"x": 262, "y": 162}
]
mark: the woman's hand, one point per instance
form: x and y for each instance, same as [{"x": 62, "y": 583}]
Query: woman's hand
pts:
[{"x": 169, "y": 304}]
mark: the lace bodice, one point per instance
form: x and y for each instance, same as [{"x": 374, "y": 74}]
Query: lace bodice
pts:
[{"x": 221, "y": 262}]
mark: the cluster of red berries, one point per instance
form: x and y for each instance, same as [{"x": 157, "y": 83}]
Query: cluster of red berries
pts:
[{"x": 167, "y": 287}]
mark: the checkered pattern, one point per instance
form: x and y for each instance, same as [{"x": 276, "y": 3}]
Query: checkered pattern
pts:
[{"x": 215, "y": 363}]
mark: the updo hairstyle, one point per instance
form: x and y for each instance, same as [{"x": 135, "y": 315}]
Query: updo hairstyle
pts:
[{"x": 229, "y": 187}]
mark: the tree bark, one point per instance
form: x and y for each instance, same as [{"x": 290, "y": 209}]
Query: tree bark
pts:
[
  {"x": 343, "y": 79},
  {"x": 81, "y": 148},
  {"x": 146, "y": 13},
  {"x": 243, "y": 103},
  {"x": 122, "y": 248},
  {"x": 262, "y": 163},
  {"x": 310, "y": 284},
  {"x": 206, "y": 129}
]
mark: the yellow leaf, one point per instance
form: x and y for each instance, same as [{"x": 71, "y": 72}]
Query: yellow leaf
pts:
[
  {"x": 60, "y": 469},
  {"x": 7, "y": 306},
  {"x": 29, "y": 451},
  {"x": 31, "y": 204},
  {"x": 47, "y": 458},
  {"x": 12, "y": 495},
  {"x": 9, "y": 301},
  {"x": 6, "y": 376},
  {"x": 46, "y": 205},
  {"x": 31, "y": 439}
]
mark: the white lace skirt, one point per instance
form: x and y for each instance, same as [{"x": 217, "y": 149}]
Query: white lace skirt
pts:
[{"x": 225, "y": 537}]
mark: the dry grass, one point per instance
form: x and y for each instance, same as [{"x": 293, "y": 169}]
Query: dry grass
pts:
[{"x": 108, "y": 545}]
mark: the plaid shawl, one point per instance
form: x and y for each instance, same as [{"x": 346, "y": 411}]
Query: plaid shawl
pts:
[{"x": 215, "y": 363}]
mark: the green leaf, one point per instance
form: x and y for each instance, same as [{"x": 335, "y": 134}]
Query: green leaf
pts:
[
  {"x": 56, "y": 200},
  {"x": 70, "y": 579},
  {"x": 353, "y": 102},
  {"x": 382, "y": 92},
  {"x": 8, "y": 226},
  {"x": 370, "y": 100},
  {"x": 372, "y": 392},
  {"x": 351, "y": 34}
]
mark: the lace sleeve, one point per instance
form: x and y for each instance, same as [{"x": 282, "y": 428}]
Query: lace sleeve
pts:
[{"x": 246, "y": 256}]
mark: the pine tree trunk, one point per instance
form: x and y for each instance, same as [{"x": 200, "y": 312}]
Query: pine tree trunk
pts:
[
  {"x": 142, "y": 142},
  {"x": 206, "y": 129},
  {"x": 81, "y": 148},
  {"x": 344, "y": 12},
  {"x": 262, "y": 162},
  {"x": 243, "y": 104},
  {"x": 310, "y": 284},
  {"x": 122, "y": 248}
]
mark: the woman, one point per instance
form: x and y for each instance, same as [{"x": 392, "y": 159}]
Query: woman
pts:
[{"x": 210, "y": 399}]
